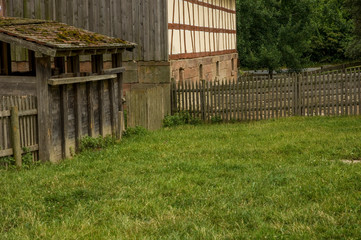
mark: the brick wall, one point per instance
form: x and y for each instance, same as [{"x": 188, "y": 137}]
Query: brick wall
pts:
[{"x": 190, "y": 69}]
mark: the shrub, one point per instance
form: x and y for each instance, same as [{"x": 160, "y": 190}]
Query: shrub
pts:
[
  {"x": 216, "y": 120},
  {"x": 27, "y": 160},
  {"x": 87, "y": 143},
  {"x": 180, "y": 118},
  {"x": 136, "y": 131}
]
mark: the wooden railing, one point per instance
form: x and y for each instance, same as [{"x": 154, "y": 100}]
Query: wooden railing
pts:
[
  {"x": 256, "y": 98},
  {"x": 18, "y": 126}
]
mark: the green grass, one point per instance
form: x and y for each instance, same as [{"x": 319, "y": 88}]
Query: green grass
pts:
[{"x": 278, "y": 179}]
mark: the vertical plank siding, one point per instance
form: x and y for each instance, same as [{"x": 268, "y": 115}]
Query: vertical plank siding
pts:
[
  {"x": 141, "y": 21},
  {"x": 256, "y": 98},
  {"x": 27, "y": 106}
]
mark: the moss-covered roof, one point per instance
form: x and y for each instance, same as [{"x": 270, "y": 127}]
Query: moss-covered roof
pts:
[{"x": 57, "y": 35}]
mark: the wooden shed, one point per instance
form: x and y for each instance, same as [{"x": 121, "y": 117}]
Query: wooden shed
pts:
[
  {"x": 180, "y": 39},
  {"x": 71, "y": 103}
]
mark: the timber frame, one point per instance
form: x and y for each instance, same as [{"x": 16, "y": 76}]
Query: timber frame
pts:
[{"x": 61, "y": 89}]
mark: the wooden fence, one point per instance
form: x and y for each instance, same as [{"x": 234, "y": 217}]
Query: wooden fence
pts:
[
  {"x": 27, "y": 120},
  {"x": 256, "y": 98}
]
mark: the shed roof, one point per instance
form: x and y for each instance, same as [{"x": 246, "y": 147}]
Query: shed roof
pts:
[{"x": 58, "y": 39}]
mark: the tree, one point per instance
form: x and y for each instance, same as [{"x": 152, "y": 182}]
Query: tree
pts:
[
  {"x": 274, "y": 33},
  {"x": 354, "y": 49},
  {"x": 332, "y": 31}
]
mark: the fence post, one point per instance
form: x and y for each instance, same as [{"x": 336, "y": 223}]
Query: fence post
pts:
[
  {"x": 299, "y": 93},
  {"x": 173, "y": 96},
  {"x": 15, "y": 136},
  {"x": 295, "y": 94},
  {"x": 203, "y": 99},
  {"x": 121, "y": 124}
]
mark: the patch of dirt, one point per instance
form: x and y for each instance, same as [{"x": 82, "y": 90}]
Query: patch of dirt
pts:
[{"x": 351, "y": 161}]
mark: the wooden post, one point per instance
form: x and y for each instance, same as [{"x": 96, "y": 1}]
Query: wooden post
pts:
[
  {"x": 97, "y": 67},
  {"x": 59, "y": 63},
  {"x": 15, "y": 136},
  {"x": 174, "y": 96},
  {"x": 43, "y": 73},
  {"x": 117, "y": 61},
  {"x": 121, "y": 127},
  {"x": 73, "y": 66},
  {"x": 203, "y": 100},
  {"x": 64, "y": 120},
  {"x": 300, "y": 94}
]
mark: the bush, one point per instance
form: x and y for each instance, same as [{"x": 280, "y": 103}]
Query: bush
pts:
[
  {"x": 216, "y": 120},
  {"x": 180, "y": 118},
  {"x": 27, "y": 161},
  {"x": 88, "y": 143},
  {"x": 136, "y": 131}
]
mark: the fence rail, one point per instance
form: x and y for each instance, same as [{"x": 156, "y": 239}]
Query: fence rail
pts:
[
  {"x": 256, "y": 98},
  {"x": 27, "y": 119}
]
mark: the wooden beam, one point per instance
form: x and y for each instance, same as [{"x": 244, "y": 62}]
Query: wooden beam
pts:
[
  {"x": 29, "y": 45},
  {"x": 43, "y": 73},
  {"x": 115, "y": 70},
  {"x": 72, "y": 80},
  {"x": 10, "y": 151}
]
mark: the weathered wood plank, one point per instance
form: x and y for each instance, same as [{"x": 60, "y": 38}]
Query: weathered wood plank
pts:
[
  {"x": 73, "y": 80},
  {"x": 43, "y": 73}
]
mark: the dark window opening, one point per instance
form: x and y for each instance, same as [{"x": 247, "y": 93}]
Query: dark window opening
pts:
[
  {"x": 217, "y": 68},
  {"x": 181, "y": 74}
]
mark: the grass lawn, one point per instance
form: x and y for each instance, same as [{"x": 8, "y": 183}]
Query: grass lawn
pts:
[{"x": 278, "y": 179}]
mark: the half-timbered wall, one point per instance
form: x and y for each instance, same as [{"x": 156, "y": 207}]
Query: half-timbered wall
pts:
[{"x": 201, "y": 28}]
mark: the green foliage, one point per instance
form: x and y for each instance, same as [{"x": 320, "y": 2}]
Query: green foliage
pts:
[
  {"x": 89, "y": 143},
  {"x": 292, "y": 33},
  {"x": 332, "y": 31},
  {"x": 180, "y": 118},
  {"x": 216, "y": 119},
  {"x": 274, "y": 33},
  {"x": 7, "y": 162},
  {"x": 280, "y": 179},
  {"x": 27, "y": 161},
  {"x": 136, "y": 131},
  {"x": 354, "y": 48}
]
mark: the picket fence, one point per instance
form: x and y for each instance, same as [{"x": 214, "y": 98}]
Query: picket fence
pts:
[
  {"x": 27, "y": 125},
  {"x": 256, "y": 98}
]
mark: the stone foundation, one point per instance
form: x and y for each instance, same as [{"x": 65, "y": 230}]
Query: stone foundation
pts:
[{"x": 193, "y": 69}]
